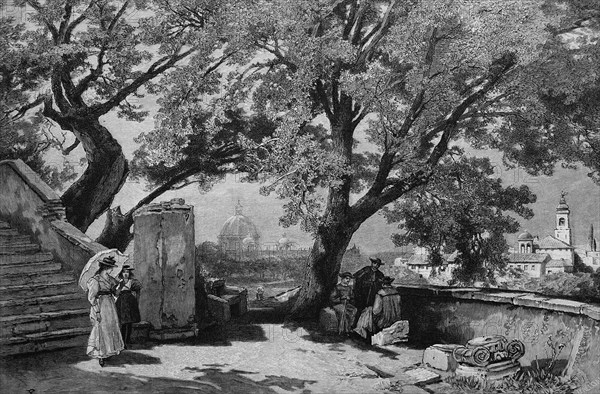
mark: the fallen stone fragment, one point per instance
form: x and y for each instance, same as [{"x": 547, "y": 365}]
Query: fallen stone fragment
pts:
[
  {"x": 397, "y": 332},
  {"x": 440, "y": 357}
]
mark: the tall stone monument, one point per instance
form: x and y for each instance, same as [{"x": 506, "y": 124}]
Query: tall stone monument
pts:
[{"x": 164, "y": 250}]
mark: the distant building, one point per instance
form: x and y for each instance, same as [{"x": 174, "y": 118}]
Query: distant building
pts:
[
  {"x": 241, "y": 239},
  {"x": 533, "y": 264},
  {"x": 238, "y": 232},
  {"x": 420, "y": 263},
  {"x": 552, "y": 254}
]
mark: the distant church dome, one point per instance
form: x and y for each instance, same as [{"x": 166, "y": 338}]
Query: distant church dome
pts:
[
  {"x": 526, "y": 236},
  {"x": 248, "y": 240},
  {"x": 238, "y": 230}
]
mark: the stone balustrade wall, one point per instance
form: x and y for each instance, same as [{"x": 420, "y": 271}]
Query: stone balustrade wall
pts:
[
  {"x": 542, "y": 323},
  {"x": 32, "y": 207}
]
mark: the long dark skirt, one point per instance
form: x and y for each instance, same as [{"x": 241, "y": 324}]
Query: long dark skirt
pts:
[{"x": 127, "y": 308}]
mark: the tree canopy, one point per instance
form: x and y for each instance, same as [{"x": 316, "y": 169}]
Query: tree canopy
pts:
[
  {"x": 462, "y": 208},
  {"x": 413, "y": 79},
  {"x": 369, "y": 97},
  {"x": 80, "y": 60}
]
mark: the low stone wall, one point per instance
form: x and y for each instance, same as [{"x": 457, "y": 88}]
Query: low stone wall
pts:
[
  {"x": 446, "y": 315},
  {"x": 32, "y": 207}
]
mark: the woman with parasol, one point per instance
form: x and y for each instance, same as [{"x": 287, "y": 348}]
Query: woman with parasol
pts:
[
  {"x": 105, "y": 339},
  {"x": 127, "y": 303}
]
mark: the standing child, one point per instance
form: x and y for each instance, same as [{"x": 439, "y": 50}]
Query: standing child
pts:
[{"x": 127, "y": 302}]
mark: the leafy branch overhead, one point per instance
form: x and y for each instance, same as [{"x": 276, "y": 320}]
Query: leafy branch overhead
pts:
[
  {"x": 410, "y": 77},
  {"x": 80, "y": 60}
]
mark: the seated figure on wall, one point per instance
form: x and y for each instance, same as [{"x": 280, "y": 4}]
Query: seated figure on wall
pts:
[
  {"x": 342, "y": 299},
  {"x": 384, "y": 312}
]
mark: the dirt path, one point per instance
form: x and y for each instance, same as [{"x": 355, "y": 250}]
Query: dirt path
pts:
[{"x": 244, "y": 357}]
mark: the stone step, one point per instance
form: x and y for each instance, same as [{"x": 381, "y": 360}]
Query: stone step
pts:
[
  {"x": 8, "y": 231},
  {"x": 25, "y": 258},
  {"x": 10, "y": 239},
  {"x": 31, "y": 291},
  {"x": 48, "y": 340},
  {"x": 19, "y": 248},
  {"x": 27, "y": 306},
  {"x": 41, "y": 322},
  {"x": 33, "y": 279},
  {"x": 44, "y": 267}
]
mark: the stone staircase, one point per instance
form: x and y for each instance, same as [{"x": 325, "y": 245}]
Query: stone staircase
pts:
[{"x": 41, "y": 307}]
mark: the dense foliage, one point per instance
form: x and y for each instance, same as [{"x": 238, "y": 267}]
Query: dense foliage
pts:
[
  {"x": 463, "y": 208},
  {"x": 75, "y": 61}
]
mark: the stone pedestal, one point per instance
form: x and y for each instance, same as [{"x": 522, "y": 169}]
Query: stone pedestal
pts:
[{"x": 164, "y": 263}]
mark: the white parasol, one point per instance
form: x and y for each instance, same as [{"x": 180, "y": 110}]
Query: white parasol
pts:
[{"x": 94, "y": 264}]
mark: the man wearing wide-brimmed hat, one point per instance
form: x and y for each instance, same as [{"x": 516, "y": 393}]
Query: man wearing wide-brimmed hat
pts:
[
  {"x": 384, "y": 312},
  {"x": 367, "y": 282},
  {"x": 342, "y": 299}
]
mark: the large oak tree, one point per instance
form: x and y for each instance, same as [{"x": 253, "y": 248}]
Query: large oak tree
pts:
[
  {"x": 81, "y": 59},
  {"x": 412, "y": 77}
]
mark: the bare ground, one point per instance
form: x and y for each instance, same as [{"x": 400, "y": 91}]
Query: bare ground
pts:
[{"x": 257, "y": 353}]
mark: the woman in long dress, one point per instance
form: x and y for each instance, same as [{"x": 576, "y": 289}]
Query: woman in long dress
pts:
[
  {"x": 105, "y": 339},
  {"x": 127, "y": 303}
]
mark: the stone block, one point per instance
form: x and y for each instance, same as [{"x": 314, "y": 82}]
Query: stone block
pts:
[
  {"x": 397, "y": 332},
  {"x": 219, "y": 309},
  {"x": 164, "y": 250},
  {"x": 497, "y": 297},
  {"x": 592, "y": 311},
  {"x": 561, "y": 305},
  {"x": 530, "y": 300},
  {"x": 327, "y": 320},
  {"x": 440, "y": 357}
]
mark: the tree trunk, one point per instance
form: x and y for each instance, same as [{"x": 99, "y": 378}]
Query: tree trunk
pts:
[
  {"x": 117, "y": 229},
  {"x": 335, "y": 231},
  {"x": 321, "y": 271},
  {"x": 106, "y": 171}
]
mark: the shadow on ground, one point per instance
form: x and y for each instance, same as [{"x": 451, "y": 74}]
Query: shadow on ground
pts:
[{"x": 62, "y": 371}]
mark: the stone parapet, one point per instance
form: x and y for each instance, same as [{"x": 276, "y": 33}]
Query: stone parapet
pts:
[{"x": 526, "y": 299}]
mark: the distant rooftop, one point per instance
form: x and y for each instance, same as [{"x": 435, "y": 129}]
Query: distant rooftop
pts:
[
  {"x": 528, "y": 257},
  {"x": 551, "y": 242}
]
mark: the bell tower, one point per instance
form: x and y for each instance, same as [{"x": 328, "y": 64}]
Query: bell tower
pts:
[{"x": 563, "y": 226}]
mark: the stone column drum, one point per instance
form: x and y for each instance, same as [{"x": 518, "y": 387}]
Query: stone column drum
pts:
[{"x": 164, "y": 242}]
